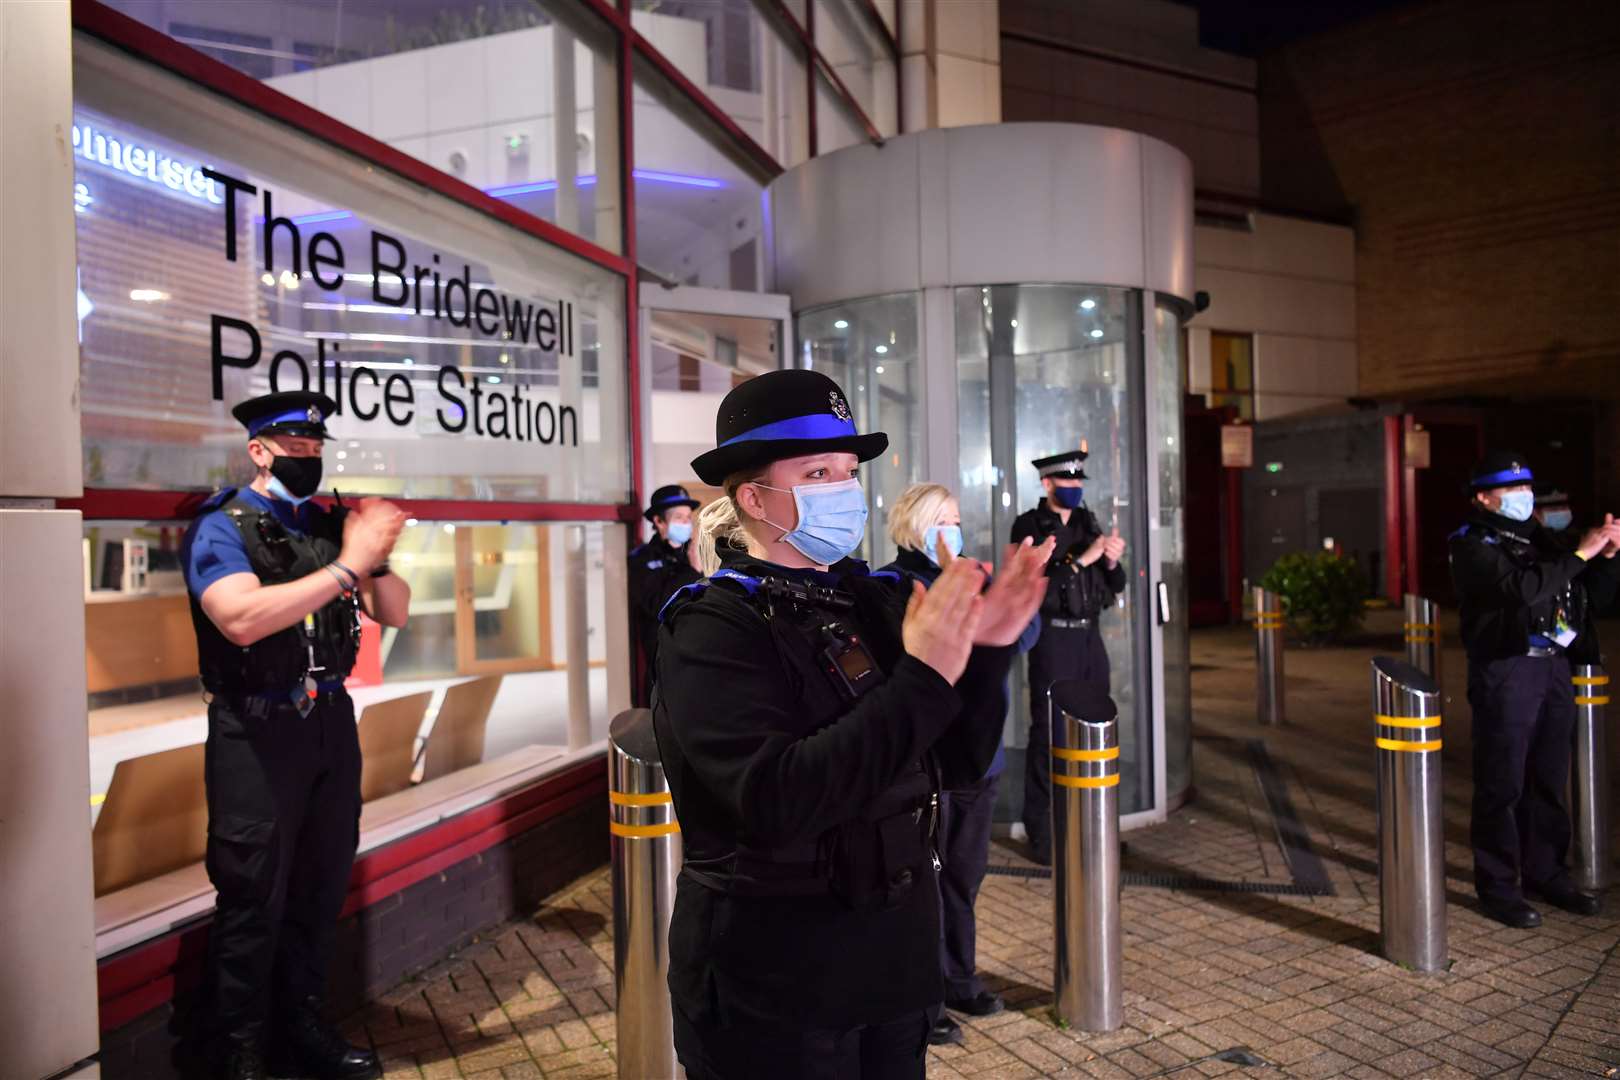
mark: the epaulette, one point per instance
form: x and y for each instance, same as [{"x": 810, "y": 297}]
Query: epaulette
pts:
[
  {"x": 217, "y": 500},
  {"x": 750, "y": 585}
]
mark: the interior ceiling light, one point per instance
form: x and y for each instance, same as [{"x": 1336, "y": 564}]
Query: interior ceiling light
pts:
[
  {"x": 148, "y": 296},
  {"x": 841, "y": 324},
  {"x": 1087, "y": 304},
  {"x": 1097, "y": 333},
  {"x": 881, "y": 349}
]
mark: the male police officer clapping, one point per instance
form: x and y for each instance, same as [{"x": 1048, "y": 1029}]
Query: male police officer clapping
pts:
[
  {"x": 1522, "y": 593},
  {"x": 276, "y": 584},
  {"x": 1085, "y": 577}
]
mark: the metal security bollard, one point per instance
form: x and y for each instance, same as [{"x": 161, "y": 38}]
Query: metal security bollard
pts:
[
  {"x": 1085, "y": 868},
  {"x": 646, "y": 846},
  {"x": 1589, "y": 782},
  {"x": 1268, "y": 656},
  {"x": 1411, "y": 840},
  {"x": 1422, "y": 633}
]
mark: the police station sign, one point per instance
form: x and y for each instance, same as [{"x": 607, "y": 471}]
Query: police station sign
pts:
[{"x": 424, "y": 286}]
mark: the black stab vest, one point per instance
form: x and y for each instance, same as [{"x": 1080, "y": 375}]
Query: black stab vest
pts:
[
  {"x": 873, "y": 861},
  {"x": 280, "y": 662}
]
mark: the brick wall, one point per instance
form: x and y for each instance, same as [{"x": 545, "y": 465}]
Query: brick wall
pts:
[
  {"x": 1477, "y": 143},
  {"x": 381, "y": 945}
]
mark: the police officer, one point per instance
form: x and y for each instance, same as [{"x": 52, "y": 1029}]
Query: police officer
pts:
[
  {"x": 657, "y": 569},
  {"x": 808, "y": 714},
  {"x": 1086, "y": 576},
  {"x": 276, "y": 585},
  {"x": 924, "y": 516},
  {"x": 1522, "y": 594}
]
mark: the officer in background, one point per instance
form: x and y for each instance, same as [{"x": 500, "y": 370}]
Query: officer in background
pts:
[
  {"x": 1085, "y": 577},
  {"x": 657, "y": 569},
  {"x": 809, "y": 713},
  {"x": 923, "y": 517},
  {"x": 1523, "y": 597},
  {"x": 276, "y": 585}
]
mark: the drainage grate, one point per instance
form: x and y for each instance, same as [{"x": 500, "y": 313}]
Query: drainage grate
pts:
[{"x": 1177, "y": 882}]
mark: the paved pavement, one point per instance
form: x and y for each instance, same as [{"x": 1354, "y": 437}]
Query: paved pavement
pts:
[{"x": 1217, "y": 981}]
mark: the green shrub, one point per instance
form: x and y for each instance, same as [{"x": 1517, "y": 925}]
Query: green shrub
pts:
[{"x": 1323, "y": 595}]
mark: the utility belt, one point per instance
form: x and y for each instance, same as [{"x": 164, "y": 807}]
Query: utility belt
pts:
[
  {"x": 1066, "y": 623},
  {"x": 868, "y": 865},
  {"x": 260, "y": 704}
]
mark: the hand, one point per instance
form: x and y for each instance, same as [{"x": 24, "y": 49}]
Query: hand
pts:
[
  {"x": 940, "y": 622},
  {"x": 1113, "y": 548},
  {"x": 1601, "y": 540},
  {"x": 1095, "y": 551},
  {"x": 1015, "y": 595},
  {"x": 370, "y": 530}
]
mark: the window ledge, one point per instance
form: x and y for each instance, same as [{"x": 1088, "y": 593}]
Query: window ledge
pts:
[{"x": 149, "y": 909}]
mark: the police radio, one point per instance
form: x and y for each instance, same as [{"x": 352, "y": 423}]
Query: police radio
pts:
[{"x": 847, "y": 659}]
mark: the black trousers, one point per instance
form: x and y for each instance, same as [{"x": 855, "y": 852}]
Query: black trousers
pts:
[
  {"x": 964, "y": 847},
  {"x": 1059, "y": 654},
  {"x": 893, "y": 1051},
  {"x": 1524, "y": 725},
  {"x": 283, "y": 825}
]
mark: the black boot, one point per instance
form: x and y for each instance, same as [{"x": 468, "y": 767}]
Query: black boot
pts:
[
  {"x": 238, "y": 1057},
  {"x": 307, "y": 1046}
]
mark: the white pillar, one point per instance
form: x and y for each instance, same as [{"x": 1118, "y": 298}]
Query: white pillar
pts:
[
  {"x": 564, "y": 127},
  {"x": 48, "y": 1009},
  {"x": 576, "y": 613}
]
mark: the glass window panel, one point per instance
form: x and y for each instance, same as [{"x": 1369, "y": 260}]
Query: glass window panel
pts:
[
  {"x": 698, "y": 212},
  {"x": 487, "y": 600},
  {"x": 696, "y": 359},
  {"x": 351, "y": 281},
  {"x": 1166, "y": 369},
  {"x": 484, "y": 90},
  {"x": 1042, "y": 369},
  {"x": 741, "y": 61},
  {"x": 870, "y": 348},
  {"x": 860, "y": 58},
  {"x": 836, "y": 126}
]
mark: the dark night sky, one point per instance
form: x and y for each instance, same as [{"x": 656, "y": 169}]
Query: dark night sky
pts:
[{"x": 1252, "y": 27}]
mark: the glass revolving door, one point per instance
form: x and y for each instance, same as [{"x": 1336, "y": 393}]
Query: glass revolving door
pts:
[{"x": 1042, "y": 369}]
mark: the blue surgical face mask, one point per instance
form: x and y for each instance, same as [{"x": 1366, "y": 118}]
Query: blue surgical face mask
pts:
[
  {"x": 832, "y": 520},
  {"x": 1557, "y": 520},
  {"x": 279, "y": 490},
  {"x": 953, "y": 540},
  {"x": 1518, "y": 505},
  {"x": 1068, "y": 497},
  {"x": 679, "y": 532}
]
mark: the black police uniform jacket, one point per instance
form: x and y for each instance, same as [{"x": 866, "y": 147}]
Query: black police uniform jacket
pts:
[
  {"x": 807, "y": 895},
  {"x": 1076, "y": 592},
  {"x": 1513, "y": 578},
  {"x": 658, "y": 569}
]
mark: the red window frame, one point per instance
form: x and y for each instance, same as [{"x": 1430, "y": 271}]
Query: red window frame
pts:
[{"x": 147, "y": 43}]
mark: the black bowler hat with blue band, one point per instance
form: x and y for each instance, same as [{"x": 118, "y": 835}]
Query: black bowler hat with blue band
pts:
[
  {"x": 301, "y": 413},
  {"x": 1500, "y": 469},
  {"x": 666, "y": 498},
  {"x": 783, "y": 414}
]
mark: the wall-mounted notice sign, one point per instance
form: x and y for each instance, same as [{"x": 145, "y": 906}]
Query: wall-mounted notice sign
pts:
[
  {"x": 1417, "y": 449},
  {"x": 1237, "y": 446}
]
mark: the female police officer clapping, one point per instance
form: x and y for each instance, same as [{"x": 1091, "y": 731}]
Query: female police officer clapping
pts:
[{"x": 808, "y": 713}]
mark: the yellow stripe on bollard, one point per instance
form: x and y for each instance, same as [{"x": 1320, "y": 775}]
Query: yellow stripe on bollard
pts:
[
  {"x": 1066, "y": 754},
  {"x": 1085, "y": 781},
  {"x": 1408, "y": 721},
  {"x": 657, "y": 798},
  {"x": 643, "y": 832},
  {"x": 1407, "y": 747},
  {"x": 1604, "y": 700},
  {"x": 1420, "y": 626},
  {"x": 1590, "y": 680}
]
